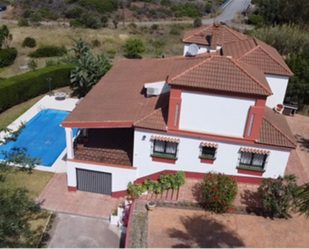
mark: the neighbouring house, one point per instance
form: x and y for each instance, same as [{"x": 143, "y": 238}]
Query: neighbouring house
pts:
[{"x": 211, "y": 112}]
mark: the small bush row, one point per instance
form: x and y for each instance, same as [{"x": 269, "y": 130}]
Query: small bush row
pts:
[
  {"x": 48, "y": 51},
  {"x": 7, "y": 57},
  {"x": 169, "y": 181},
  {"x": 20, "y": 88}
]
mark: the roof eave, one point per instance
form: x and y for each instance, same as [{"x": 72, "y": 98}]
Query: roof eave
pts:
[{"x": 97, "y": 124}]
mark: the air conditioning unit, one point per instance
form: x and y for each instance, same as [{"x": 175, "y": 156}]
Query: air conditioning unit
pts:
[
  {"x": 156, "y": 88},
  {"x": 153, "y": 91}
]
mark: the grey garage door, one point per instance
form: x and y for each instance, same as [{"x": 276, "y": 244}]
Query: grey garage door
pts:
[{"x": 94, "y": 181}]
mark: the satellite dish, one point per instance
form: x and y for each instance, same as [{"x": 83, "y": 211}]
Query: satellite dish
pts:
[{"x": 192, "y": 50}]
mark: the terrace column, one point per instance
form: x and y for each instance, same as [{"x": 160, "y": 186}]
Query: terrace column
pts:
[{"x": 69, "y": 141}]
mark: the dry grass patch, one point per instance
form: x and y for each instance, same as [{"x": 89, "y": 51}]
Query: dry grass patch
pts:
[{"x": 109, "y": 39}]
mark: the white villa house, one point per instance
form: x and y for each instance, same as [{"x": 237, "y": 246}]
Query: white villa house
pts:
[{"x": 210, "y": 112}]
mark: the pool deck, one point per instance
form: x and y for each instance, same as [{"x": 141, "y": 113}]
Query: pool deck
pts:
[{"x": 47, "y": 102}]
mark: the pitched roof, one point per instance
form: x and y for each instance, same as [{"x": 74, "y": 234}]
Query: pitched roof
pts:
[
  {"x": 257, "y": 53},
  {"x": 275, "y": 130},
  {"x": 118, "y": 96},
  {"x": 157, "y": 120},
  {"x": 224, "y": 74},
  {"x": 203, "y": 35}
]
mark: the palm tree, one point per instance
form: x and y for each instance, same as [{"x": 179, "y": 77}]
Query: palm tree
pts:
[
  {"x": 303, "y": 198},
  {"x": 88, "y": 72},
  {"x": 80, "y": 48}
]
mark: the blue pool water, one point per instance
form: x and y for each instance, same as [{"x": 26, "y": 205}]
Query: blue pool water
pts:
[{"x": 43, "y": 137}]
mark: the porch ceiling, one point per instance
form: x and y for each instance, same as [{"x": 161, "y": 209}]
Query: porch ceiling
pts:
[{"x": 110, "y": 146}]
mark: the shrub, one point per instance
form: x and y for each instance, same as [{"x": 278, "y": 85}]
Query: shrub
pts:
[
  {"x": 76, "y": 23},
  {"x": 169, "y": 181},
  {"x": 104, "y": 21},
  {"x": 32, "y": 64},
  {"x": 23, "y": 22},
  {"x": 197, "y": 22},
  {"x": 106, "y": 6},
  {"x": 95, "y": 43},
  {"x": 74, "y": 13},
  {"x": 35, "y": 18},
  {"x": 154, "y": 27},
  {"x": 278, "y": 197},
  {"x": 90, "y": 21},
  {"x": 51, "y": 62},
  {"x": 48, "y": 51},
  {"x": 7, "y": 57},
  {"x": 175, "y": 31},
  {"x": 136, "y": 190},
  {"x": 20, "y": 88},
  {"x": 256, "y": 20},
  {"x": 29, "y": 42},
  {"x": 218, "y": 191},
  {"x": 133, "y": 48},
  {"x": 111, "y": 53}
]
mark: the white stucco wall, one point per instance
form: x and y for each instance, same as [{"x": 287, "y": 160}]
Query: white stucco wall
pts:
[
  {"x": 202, "y": 49},
  {"x": 120, "y": 176},
  {"x": 188, "y": 157},
  {"x": 214, "y": 114},
  {"x": 278, "y": 85}
]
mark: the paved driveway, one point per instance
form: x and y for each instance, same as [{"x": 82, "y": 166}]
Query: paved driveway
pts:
[
  {"x": 70, "y": 231},
  {"x": 299, "y": 125}
]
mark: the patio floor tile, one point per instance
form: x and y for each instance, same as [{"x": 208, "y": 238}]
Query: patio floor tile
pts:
[{"x": 56, "y": 197}]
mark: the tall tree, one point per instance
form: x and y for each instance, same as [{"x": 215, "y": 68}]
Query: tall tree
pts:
[
  {"x": 15, "y": 205},
  {"x": 5, "y": 37}
]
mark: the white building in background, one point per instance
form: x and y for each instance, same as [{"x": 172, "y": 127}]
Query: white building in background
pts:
[{"x": 210, "y": 112}]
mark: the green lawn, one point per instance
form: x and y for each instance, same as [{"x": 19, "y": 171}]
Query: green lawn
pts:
[{"x": 35, "y": 182}]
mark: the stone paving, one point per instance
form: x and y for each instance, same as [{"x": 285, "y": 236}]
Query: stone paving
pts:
[
  {"x": 180, "y": 228},
  {"x": 56, "y": 197},
  {"x": 299, "y": 125}
]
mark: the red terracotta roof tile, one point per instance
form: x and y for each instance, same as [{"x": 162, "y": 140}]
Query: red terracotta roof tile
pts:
[
  {"x": 156, "y": 120},
  {"x": 224, "y": 74},
  {"x": 275, "y": 130},
  {"x": 255, "y": 150},
  {"x": 118, "y": 97},
  {"x": 167, "y": 139},
  {"x": 257, "y": 53},
  {"x": 203, "y": 35},
  {"x": 211, "y": 145}
]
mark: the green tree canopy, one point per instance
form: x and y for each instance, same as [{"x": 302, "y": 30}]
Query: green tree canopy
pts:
[
  {"x": 15, "y": 205},
  {"x": 133, "y": 48}
]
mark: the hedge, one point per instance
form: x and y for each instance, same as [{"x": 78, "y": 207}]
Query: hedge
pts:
[
  {"x": 48, "y": 51},
  {"x": 7, "y": 57},
  {"x": 20, "y": 88}
]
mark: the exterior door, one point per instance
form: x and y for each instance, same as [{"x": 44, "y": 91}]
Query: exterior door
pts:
[{"x": 94, "y": 181}]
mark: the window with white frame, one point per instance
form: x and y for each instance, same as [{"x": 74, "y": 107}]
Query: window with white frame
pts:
[
  {"x": 250, "y": 159},
  {"x": 165, "y": 148}
]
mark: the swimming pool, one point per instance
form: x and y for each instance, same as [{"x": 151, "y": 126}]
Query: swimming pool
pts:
[{"x": 43, "y": 137}]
